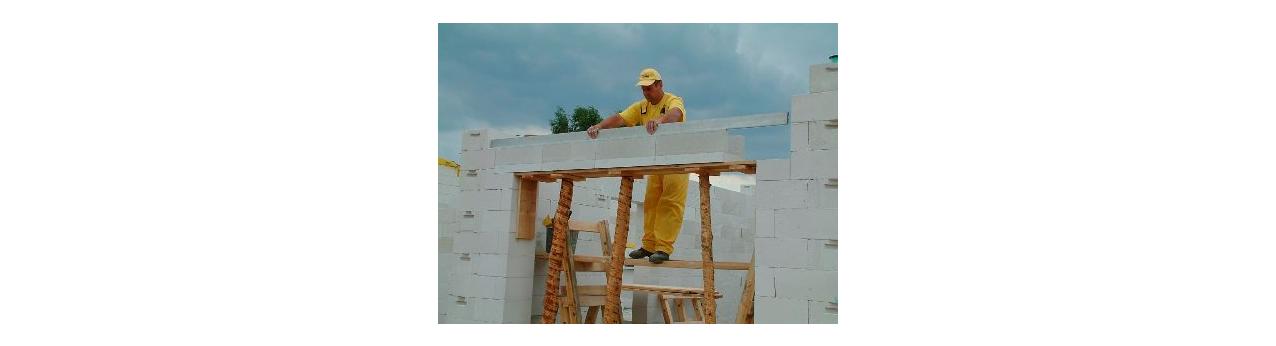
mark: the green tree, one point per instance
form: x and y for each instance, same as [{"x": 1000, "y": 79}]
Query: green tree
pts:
[
  {"x": 584, "y": 117},
  {"x": 559, "y": 123}
]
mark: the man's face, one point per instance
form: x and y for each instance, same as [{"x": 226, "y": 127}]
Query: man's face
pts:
[{"x": 653, "y": 92}]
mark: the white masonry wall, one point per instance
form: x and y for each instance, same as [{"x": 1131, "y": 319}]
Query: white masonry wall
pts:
[
  {"x": 491, "y": 275},
  {"x": 796, "y": 278},
  {"x": 449, "y": 189}
]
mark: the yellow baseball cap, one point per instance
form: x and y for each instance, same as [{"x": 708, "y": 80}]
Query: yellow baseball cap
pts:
[{"x": 648, "y": 76}]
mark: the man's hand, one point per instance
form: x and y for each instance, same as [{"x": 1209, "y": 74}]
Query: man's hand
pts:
[
  {"x": 593, "y": 131},
  {"x": 651, "y": 126}
]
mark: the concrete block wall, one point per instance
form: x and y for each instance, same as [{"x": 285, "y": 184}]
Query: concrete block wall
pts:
[
  {"x": 491, "y": 277},
  {"x": 796, "y": 238},
  {"x": 449, "y": 190}
]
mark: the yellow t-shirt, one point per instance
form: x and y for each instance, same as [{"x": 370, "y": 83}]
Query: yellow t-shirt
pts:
[{"x": 640, "y": 112}]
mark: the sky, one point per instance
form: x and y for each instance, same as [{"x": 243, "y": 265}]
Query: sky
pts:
[{"x": 509, "y": 78}]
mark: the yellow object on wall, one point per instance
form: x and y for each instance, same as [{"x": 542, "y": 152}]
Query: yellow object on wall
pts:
[{"x": 455, "y": 167}]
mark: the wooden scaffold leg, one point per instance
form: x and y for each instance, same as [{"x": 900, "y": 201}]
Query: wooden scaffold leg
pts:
[
  {"x": 706, "y": 252},
  {"x": 611, "y": 310},
  {"x": 557, "y": 253}
]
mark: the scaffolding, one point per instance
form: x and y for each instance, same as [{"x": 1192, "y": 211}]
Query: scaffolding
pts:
[{"x": 558, "y": 254}]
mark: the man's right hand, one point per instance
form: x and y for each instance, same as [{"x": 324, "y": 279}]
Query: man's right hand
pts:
[{"x": 593, "y": 131}]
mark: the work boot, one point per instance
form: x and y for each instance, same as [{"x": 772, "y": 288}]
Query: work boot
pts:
[
  {"x": 640, "y": 253},
  {"x": 659, "y": 256}
]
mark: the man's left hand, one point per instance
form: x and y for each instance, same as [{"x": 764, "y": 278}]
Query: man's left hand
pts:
[{"x": 651, "y": 126}]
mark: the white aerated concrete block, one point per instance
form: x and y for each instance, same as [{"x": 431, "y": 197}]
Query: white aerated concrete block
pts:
[
  {"x": 823, "y": 78},
  {"x": 774, "y": 169},
  {"x": 816, "y": 164},
  {"x": 565, "y": 165},
  {"x": 806, "y": 284},
  {"x": 822, "y": 193},
  {"x": 694, "y": 158},
  {"x": 764, "y": 282},
  {"x": 798, "y": 140},
  {"x": 822, "y": 135},
  {"x": 569, "y": 151},
  {"x": 816, "y": 106},
  {"x": 472, "y": 140},
  {"x": 467, "y": 221},
  {"x": 782, "y": 194},
  {"x": 528, "y": 154},
  {"x": 490, "y": 264},
  {"x": 465, "y": 242},
  {"x": 782, "y": 253},
  {"x": 491, "y": 179},
  {"x": 470, "y": 182},
  {"x": 640, "y": 147},
  {"x": 518, "y": 310},
  {"x": 806, "y": 223},
  {"x": 519, "y": 288},
  {"x": 779, "y": 310},
  {"x": 556, "y": 152},
  {"x": 735, "y": 145},
  {"x": 480, "y": 159},
  {"x": 487, "y": 287},
  {"x": 493, "y": 243},
  {"x": 496, "y": 199},
  {"x": 488, "y": 310},
  {"x": 459, "y": 310},
  {"x": 692, "y": 143},
  {"x": 625, "y": 162},
  {"x": 821, "y": 312},
  {"x": 764, "y": 221},
  {"x": 825, "y": 252}
]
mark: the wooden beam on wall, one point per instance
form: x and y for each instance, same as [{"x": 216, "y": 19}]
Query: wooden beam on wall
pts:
[{"x": 527, "y": 189}]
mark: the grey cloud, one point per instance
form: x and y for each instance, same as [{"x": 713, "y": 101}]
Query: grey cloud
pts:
[{"x": 513, "y": 75}]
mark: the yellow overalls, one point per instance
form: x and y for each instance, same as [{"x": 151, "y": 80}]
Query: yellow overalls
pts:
[{"x": 666, "y": 194}]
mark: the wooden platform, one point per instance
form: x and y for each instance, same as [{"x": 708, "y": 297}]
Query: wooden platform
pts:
[
  {"x": 747, "y": 167},
  {"x": 586, "y": 262}
]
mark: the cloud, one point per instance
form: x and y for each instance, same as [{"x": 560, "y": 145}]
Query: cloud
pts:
[{"x": 513, "y": 76}]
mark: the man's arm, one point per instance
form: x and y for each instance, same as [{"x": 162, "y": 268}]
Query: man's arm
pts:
[
  {"x": 613, "y": 121},
  {"x": 671, "y": 116}
]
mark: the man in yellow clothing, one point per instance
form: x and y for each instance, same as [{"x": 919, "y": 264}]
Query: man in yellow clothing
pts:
[{"x": 666, "y": 194}]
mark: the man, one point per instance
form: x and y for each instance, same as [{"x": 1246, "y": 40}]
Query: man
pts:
[{"x": 666, "y": 194}]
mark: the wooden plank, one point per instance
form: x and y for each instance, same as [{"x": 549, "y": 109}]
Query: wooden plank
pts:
[
  {"x": 713, "y": 167},
  {"x": 697, "y": 308},
  {"x": 567, "y": 176},
  {"x": 604, "y": 238},
  {"x": 588, "y": 290},
  {"x": 591, "y": 315},
  {"x": 745, "y": 314},
  {"x": 676, "y": 264},
  {"x": 664, "y": 308},
  {"x": 573, "y": 299},
  {"x": 679, "y": 312},
  {"x": 527, "y": 209},
  {"x": 658, "y": 288},
  {"x": 583, "y": 226},
  {"x": 672, "y": 295},
  {"x": 589, "y": 267}
]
